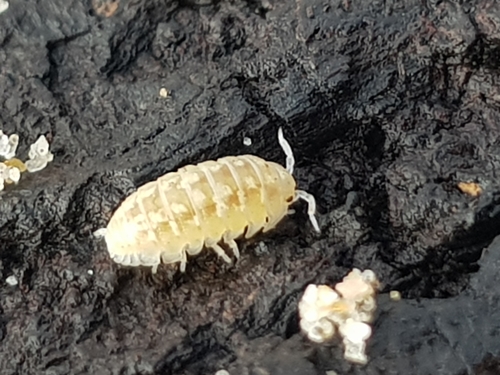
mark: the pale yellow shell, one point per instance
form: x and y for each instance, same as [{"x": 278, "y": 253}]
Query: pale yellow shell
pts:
[{"x": 199, "y": 206}]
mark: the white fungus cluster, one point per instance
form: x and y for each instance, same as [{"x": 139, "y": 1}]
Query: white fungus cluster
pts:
[
  {"x": 11, "y": 168},
  {"x": 347, "y": 310},
  {"x": 39, "y": 155}
]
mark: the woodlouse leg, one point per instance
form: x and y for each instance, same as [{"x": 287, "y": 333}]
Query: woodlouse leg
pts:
[
  {"x": 220, "y": 251},
  {"x": 290, "y": 160},
  {"x": 183, "y": 260},
  {"x": 233, "y": 245},
  {"x": 311, "y": 209}
]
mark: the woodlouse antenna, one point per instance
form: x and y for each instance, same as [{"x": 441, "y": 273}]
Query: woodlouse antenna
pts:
[
  {"x": 290, "y": 160},
  {"x": 311, "y": 207}
]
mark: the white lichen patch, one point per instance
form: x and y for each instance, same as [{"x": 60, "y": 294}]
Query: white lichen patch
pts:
[{"x": 346, "y": 309}]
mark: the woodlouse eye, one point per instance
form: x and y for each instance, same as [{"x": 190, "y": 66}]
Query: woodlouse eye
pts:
[{"x": 289, "y": 200}]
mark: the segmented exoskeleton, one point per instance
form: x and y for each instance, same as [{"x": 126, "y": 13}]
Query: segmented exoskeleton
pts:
[{"x": 203, "y": 205}]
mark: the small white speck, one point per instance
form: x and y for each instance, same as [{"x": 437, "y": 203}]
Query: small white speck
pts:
[
  {"x": 90, "y": 272},
  {"x": 11, "y": 280},
  {"x": 164, "y": 93},
  {"x": 222, "y": 372},
  {"x": 395, "y": 295},
  {"x": 247, "y": 141},
  {"x": 4, "y": 5},
  {"x": 68, "y": 275},
  {"x": 261, "y": 248}
]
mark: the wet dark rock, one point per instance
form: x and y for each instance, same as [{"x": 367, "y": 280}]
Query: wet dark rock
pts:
[{"x": 388, "y": 107}]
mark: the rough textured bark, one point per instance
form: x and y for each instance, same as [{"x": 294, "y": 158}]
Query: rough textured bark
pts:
[{"x": 388, "y": 106}]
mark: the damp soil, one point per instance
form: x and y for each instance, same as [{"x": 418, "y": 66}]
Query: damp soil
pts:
[{"x": 393, "y": 112}]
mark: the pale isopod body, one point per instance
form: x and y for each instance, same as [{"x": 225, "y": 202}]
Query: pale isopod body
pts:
[{"x": 203, "y": 205}]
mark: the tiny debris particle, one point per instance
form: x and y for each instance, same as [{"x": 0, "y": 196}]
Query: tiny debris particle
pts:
[
  {"x": 4, "y": 5},
  {"x": 310, "y": 12},
  {"x": 11, "y": 280},
  {"x": 471, "y": 188},
  {"x": 222, "y": 372},
  {"x": 395, "y": 295},
  {"x": 90, "y": 272},
  {"x": 261, "y": 248},
  {"x": 164, "y": 93},
  {"x": 265, "y": 5},
  {"x": 68, "y": 275},
  {"x": 105, "y": 8},
  {"x": 247, "y": 141}
]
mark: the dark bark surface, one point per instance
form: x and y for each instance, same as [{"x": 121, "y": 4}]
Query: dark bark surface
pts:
[{"x": 388, "y": 106}]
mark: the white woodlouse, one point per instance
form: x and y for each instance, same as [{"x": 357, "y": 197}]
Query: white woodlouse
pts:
[{"x": 203, "y": 205}]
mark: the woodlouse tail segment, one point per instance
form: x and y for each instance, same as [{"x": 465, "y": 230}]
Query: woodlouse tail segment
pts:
[
  {"x": 290, "y": 160},
  {"x": 311, "y": 209}
]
